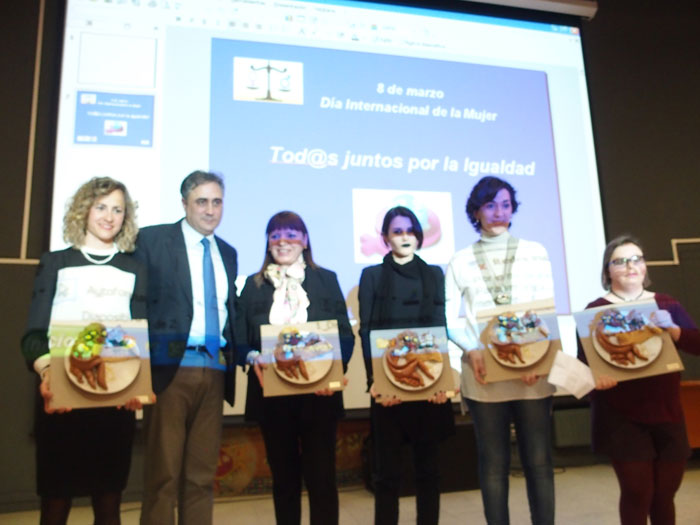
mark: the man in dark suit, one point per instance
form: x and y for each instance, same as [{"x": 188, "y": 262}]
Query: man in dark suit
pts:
[{"x": 191, "y": 298}]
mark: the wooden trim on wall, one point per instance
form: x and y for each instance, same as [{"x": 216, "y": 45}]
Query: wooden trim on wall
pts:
[
  {"x": 11, "y": 260},
  {"x": 32, "y": 138},
  {"x": 674, "y": 248},
  {"x": 31, "y": 146}
]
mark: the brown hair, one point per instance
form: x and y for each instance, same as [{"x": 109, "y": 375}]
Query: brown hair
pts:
[
  {"x": 605, "y": 279},
  {"x": 284, "y": 220},
  {"x": 485, "y": 191}
]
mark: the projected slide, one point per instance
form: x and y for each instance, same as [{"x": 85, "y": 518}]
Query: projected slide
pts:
[
  {"x": 339, "y": 111},
  {"x": 342, "y": 136},
  {"x": 114, "y": 118}
]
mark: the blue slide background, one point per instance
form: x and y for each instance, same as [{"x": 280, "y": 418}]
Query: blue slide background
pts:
[
  {"x": 242, "y": 133},
  {"x": 135, "y": 110}
]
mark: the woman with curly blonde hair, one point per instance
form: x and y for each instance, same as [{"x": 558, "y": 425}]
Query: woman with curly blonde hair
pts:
[
  {"x": 78, "y": 209},
  {"x": 86, "y": 452}
]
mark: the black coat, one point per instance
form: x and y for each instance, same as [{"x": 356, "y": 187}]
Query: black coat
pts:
[
  {"x": 420, "y": 420},
  {"x": 325, "y": 302}
]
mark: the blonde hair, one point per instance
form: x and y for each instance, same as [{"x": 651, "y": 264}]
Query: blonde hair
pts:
[{"x": 78, "y": 209}]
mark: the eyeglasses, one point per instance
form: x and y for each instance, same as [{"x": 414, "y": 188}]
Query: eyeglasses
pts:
[{"x": 622, "y": 261}]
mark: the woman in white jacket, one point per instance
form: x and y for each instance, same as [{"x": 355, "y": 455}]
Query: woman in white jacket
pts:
[{"x": 499, "y": 270}]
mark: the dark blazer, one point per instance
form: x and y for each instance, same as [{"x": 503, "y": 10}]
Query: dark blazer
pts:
[
  {"x": 405, "y": 306},
  {"x": 325, "y": 302},
  {"x": 169, "y": 300}
]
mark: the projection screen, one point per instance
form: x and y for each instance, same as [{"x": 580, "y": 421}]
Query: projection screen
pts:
[{"x": 337, "y": 110}]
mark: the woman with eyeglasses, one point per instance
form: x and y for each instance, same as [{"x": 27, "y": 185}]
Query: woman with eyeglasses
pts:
[{"x": 639, "y": 423}]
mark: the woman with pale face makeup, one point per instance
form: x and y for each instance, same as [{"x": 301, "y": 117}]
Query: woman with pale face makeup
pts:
[
  {"x": 404, "y": 292},
  {"x": 500, "y": 269},
  {"x": 299, "y": 431},
  {"x": 639, "y": 423},
  {"x": 85, "y": 452}
]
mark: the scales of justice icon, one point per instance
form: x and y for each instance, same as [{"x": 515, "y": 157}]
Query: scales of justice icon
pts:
[{"x": 283, "y": 85}]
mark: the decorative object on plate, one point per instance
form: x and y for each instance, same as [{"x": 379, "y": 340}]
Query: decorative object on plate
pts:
[
  {"x": 518, "y": 341},
  {"x": 626, "y": 338},
  {"x": 298, "y": 356},
  {"x": 85, "y": 360},
  {"x": 411, "y": 361},
  {"x": 99, "y": 355}
]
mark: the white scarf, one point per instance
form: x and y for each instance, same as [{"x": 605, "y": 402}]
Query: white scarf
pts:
[{"x": 289, "y": 301}]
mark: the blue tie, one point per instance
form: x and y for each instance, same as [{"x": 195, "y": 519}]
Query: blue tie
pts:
[{"x": 212, "y": 334}]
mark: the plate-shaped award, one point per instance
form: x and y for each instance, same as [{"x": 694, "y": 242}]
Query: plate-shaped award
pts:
[
  {"x": 302, "y": 357},
  {"x": 626, "y": 338},
  {"x": 412, "y": 360},
  {"x": 518, "y": 341},
  {"x": 101, "y": 360}
]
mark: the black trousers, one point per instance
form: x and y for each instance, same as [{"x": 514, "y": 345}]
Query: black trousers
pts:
[
  {"x": 388, "y": 438},
  {"x": 299, "y": 448}
]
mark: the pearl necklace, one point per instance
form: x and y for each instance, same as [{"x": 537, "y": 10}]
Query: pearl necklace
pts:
[
  {"x": 108, "y": 256},
  {"x": 623, "y": 299}
]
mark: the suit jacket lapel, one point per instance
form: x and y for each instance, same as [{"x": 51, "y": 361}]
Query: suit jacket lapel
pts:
[
  {"x": 229, "y": 265},
  {"x": 310, "y": 286},
  {"x": 180, "y": 262}
]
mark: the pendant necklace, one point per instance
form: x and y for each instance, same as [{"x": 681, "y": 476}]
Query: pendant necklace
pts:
[
  {"x": 627, "y": 300},
  {"x": 500, "y": 292}
]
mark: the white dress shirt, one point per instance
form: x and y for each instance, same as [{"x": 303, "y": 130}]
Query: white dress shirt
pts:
[{"x": 195, "y": 254}]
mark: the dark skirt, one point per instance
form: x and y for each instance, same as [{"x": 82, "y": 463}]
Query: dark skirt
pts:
[{"x": 83, "y": 452}]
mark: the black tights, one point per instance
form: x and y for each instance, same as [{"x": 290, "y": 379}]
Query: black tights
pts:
[
  {"x": 647, "y": 488},
  {"x": 105, "y": 506}
]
